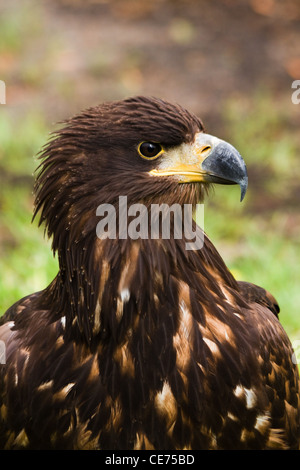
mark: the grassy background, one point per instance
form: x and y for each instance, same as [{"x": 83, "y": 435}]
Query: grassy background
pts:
[
  {"x": 26, "y": 262},
  {"x": 259, "y": 238},
  {"x": 59, "y": 57}
]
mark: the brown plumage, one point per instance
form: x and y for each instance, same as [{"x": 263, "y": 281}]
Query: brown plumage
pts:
[{"x": 141, "y": 344}]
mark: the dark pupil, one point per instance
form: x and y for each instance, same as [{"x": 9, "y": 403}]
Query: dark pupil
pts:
[{"x": 150, "y": 149}]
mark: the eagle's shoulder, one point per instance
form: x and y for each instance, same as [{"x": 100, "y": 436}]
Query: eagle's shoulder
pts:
[
  {"x": 253, "y": 293},
  {"x": 14, "y": 310}
]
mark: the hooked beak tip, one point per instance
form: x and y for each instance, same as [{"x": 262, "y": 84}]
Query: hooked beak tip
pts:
[{"x": 243, "y": 185}]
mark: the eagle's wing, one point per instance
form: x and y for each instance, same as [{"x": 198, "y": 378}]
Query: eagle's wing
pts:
[
  {"x": 278, "y": 372},
  {"x": 253, "y": 293}
]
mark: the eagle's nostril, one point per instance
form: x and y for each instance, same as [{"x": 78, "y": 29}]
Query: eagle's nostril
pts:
[{"x": 205, "y": 150}]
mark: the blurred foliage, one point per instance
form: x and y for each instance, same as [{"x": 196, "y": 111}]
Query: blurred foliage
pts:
[{"x": 26, "y": 261}]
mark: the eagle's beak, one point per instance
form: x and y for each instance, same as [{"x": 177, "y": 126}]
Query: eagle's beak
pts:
[
  {"x": 223, "y": 163},
  {"x": 207, "y": 160}
]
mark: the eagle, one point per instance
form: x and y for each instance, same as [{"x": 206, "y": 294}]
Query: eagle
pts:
[{"x": 138, "y": 342}]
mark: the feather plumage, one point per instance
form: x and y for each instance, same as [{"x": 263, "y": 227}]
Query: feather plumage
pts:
[{"x": 138, "y": 344}]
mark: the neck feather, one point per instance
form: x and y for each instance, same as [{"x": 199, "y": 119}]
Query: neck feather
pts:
[{"x": 104, "y": 287}]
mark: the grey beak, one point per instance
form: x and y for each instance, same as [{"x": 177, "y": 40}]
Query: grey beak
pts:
[{"x": 224, "y": 165}]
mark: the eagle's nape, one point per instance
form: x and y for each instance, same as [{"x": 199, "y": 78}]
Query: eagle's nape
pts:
[{"x": 141, "y": 344}]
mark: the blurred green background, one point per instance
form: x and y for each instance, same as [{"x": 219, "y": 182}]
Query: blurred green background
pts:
[{"x": 231, "y": 62}]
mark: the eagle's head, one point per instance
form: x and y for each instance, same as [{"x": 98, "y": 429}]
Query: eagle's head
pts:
[
  {"x": 148, "y": 150},
  {"x": 144, "y": 148}
]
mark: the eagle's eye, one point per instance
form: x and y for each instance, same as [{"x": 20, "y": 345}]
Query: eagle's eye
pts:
[{"x": 150, "y": 150}]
